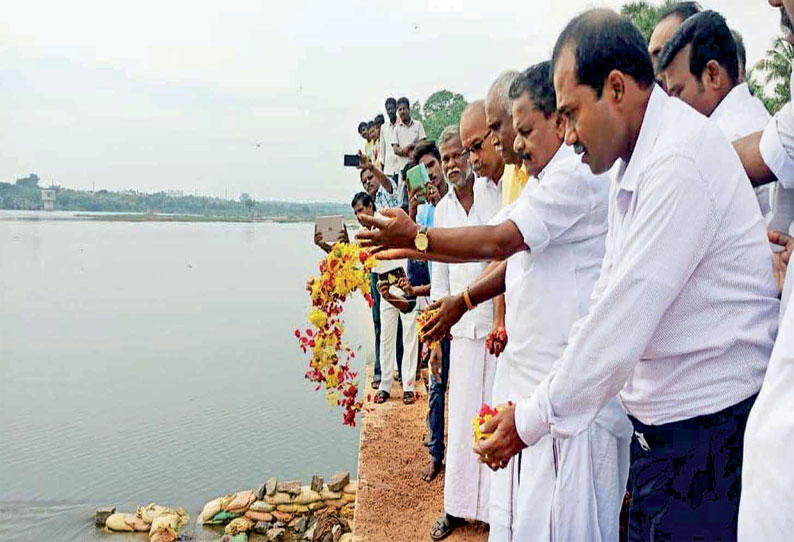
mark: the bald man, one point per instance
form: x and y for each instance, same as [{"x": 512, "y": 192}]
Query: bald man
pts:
[
  {"x": 669, "y": 21},
  {"x": 499, "y": 118}
]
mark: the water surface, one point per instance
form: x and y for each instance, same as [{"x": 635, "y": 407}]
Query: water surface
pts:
[{"x": 154, "y": 362}]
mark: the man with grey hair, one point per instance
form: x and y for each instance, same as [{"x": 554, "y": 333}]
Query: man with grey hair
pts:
[
  {"x": 499, "y": 117},
  {"x": 471, "y": 368}
]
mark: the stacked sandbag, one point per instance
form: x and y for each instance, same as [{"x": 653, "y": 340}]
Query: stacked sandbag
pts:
[
  {"x": 126, "y": 523},
  {"x": 162, "y": 523},
  {"x": 166, "y": 526},
  {"x": 224, "y": 509}
]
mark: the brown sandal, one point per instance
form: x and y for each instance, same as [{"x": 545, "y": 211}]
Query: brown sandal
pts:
[{"x": 381, "y": 397}]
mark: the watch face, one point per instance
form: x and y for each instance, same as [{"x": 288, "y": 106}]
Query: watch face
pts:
[{"x": 421, "y": 242}]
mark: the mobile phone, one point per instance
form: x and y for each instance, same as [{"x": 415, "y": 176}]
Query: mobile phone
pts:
[
  {"x": 351, "y": 160},
  {"x": 418, "y": 178}
]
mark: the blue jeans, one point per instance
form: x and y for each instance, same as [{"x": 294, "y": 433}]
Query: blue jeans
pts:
[
  {"x": 373, "y": 290},
  {"x": 685, "y": 477},
  {"x": 436, "y": 400}
]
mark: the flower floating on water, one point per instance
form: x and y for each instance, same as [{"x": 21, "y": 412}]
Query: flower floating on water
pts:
[
  {"x": 345, "y": 270},
  {"x": 485, "y": 415}
]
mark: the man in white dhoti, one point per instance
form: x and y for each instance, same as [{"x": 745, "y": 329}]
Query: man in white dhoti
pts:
[
  {"x": 765, "y": 510},
  {"x": 471, "y": 369}
]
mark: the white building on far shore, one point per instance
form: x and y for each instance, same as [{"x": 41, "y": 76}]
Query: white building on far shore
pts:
[{"x": 48, "y": 199}]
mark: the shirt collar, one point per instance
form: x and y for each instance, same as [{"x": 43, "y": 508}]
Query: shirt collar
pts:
[
  {"x": 401, "y": 123},
  {"x": 732, "y": 101},
  {"x": 627, "y": 174},
  {"x": 565, "y": 151}
]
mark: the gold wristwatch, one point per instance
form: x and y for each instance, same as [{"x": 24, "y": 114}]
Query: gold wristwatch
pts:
[{"x": 421, "y": 241}]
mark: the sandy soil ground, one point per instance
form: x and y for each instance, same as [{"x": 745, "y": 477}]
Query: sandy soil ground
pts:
[{"x": 394, "y": 503}]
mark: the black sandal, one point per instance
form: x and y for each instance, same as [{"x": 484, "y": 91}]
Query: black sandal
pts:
[
  {"x": 375, "y": 384},
  {"x": 409, "y": 398},
  {"x": 381, "y": 397},
  {"x": 444, "y": 526}
]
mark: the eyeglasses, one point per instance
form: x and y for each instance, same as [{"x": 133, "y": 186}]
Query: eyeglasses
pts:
[{"x": 477, "y": 145}]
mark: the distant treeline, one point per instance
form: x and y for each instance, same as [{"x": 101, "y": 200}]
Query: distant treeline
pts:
[{"x": 25, "y": 194}]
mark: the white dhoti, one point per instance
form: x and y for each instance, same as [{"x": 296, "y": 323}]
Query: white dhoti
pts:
[
  {"x": 504, "y": 482},
  {"x": 466, "y": 481},
  {"x": 572, "y": 489}
]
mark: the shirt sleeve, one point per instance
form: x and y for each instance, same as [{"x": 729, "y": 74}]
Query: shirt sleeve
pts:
[
  {"x": 557, "y": 210},
  {"x": 672, "y": 227},
  {"x": 777, "y": 146}
]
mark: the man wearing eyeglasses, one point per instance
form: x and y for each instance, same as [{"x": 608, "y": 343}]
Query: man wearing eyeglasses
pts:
[
  {"x": 471, "y": 367},
  {"x": 486, "y": 162}
]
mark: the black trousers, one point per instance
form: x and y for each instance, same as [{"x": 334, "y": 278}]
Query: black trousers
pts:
[{"x": 685, "y": 477}]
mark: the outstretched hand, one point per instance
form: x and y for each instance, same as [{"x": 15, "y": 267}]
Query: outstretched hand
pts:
[
  {"x": 452, "y": 309},
  {"x": 497, "y": 450},
  {"x": 392, "y": 228}
]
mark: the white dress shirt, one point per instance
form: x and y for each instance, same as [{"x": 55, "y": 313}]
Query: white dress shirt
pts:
[
  {"x": 777, "y": 150},
  {"x": 452, "y": 279},
  {"x": 488, "y": 195},
  {"x": 684, "y": 313},
  {"x": 386, "y": 150},
  {"x": 404, "y": 136},
  {"x": 740, "y": 114},
  {"x": 562, "y": 216}
]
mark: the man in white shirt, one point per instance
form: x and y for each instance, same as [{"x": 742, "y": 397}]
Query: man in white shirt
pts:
[
  {"x": 386, "y": 154},
  {"x": 471, "y": 369},
  {"x": 406, "y": 134},
  {"x": 766, "y": 512},
  {"x": 684, "y": 313},
  {"x": 700, "y": 64}
]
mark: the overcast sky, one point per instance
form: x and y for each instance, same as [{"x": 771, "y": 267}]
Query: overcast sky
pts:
[{"x": 176, "y": 95}]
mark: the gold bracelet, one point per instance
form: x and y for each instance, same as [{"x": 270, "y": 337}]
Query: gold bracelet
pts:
[{"x": 467, "y": 300}]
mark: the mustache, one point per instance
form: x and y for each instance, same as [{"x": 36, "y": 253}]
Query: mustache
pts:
[
  {"x": 525, "y": 156},
  {"x": 578, "y": 148}
]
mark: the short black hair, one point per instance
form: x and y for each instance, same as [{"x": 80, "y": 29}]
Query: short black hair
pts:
[
  {"x": 425, "y": 147},
  {"x": 391, "y": 100},
  {"x": 379, "y": 119},
  {"x": 370, "y": 124},
  {"x": 536, "y": 80},
  {"x": 364, "y": 198},
  {"x": 403, "y": 100},
  {"x": 603, "y": 41},
  {"x": 684, "y": 10},
  {"x": 362, "y": 125},
  {"x": 741, "y": 52},
  {"x": 711, "y": 39}
]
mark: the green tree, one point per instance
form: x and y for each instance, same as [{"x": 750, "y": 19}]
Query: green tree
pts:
[
  {"x": 31, "y": 180},
  {"x": 440, "y": 110},
  {"x": 645, "y": 14},
  {"x": 248, "y": 202},
  {"x": 773, "y": 72}
]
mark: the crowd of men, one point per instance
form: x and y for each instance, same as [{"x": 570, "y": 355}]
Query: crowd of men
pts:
[{"x": 622, "y": 210}]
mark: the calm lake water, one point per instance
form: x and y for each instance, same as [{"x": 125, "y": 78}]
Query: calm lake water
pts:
[{"x": 154, "y": 362}]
